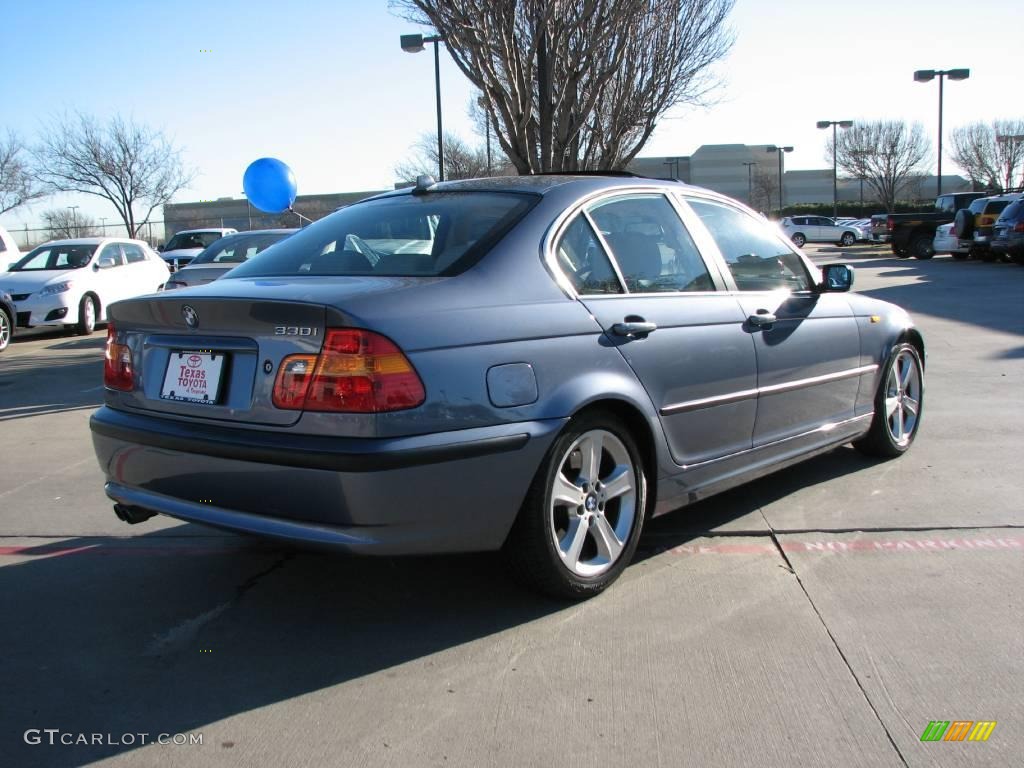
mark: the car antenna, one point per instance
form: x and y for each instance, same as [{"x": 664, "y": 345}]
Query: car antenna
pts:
[{"x": 424, "y": 183}]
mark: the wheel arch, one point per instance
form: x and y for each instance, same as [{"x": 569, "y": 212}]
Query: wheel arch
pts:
[
  {"x": 640, "y": 429},
  {"x": 913, "y": 336},
  {"x": 97, "y": 303}
]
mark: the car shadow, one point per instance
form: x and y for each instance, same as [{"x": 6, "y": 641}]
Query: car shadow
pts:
[
  {"x": 170, "y": 633},
  {"x": 944, "y": 288},
  {"x": 64, "y": 375}
]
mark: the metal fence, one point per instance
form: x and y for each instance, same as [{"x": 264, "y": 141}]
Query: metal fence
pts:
[{"x": 158, "y": 232}]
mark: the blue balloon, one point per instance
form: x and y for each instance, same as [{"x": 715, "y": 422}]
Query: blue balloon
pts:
[{"x": 270, "y": 185}]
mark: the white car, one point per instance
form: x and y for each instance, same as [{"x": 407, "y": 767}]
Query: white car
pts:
[
  {"x": 189, "y": 243},
  {"x": 946, "y": 241},
  {"x": 71, "y": 283},
  {"x": 9, "y": 253},
  {"x": 817, "y": 229}
]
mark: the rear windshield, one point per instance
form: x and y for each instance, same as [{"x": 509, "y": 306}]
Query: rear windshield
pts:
[
  {"x": 996, "y": 206},
  {"x": 234, "y": 249},
  {"x": 1012, "y": 210},
  {"x": 184, "y": 240},
  {"x": 47, "y": 257},
  {"x": 439, "y": 233}
]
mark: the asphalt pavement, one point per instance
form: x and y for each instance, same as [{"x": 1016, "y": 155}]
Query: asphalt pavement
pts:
[{"x": 824, "y": 615}]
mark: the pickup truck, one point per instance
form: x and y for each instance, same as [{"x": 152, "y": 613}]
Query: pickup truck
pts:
[{"x": 911, "y": 234}]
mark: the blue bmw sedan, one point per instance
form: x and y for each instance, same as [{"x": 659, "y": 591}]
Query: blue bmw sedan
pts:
[{"x": 535, "y": 365}]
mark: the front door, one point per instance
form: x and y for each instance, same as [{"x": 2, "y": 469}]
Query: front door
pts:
[{"x": 807, "y": 344}]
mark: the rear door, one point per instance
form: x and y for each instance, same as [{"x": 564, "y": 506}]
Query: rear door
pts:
[
  {"x": 807, "y": 344},
  {"x": 661, "y": 306}
]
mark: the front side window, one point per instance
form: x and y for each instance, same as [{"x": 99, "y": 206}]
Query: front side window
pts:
[
  {"x": 186, "y": 240},
  {"x": 583, "y": 260},
  {"x": 650, "y": 244},
  {"x": 438, "y": 233},
  {"x": 55, "y": 257},
  {"x": 113, "y": 251},
  {"x": 757, "y": 258}
]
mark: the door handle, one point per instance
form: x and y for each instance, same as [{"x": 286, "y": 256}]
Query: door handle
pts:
[
  {"x": 762, "y": 318},
  {"x": 634, "y": 328}
]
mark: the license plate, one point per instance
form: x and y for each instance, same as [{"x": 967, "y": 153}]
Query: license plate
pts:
[{"x": 193, "y": 376}]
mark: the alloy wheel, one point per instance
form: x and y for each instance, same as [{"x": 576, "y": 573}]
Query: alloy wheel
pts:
[
  {"x": 593, "y": 503},
  {"x": 903, "y": 398}
]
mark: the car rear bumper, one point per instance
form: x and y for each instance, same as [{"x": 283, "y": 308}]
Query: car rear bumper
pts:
[{"x": 447, "y": 492}]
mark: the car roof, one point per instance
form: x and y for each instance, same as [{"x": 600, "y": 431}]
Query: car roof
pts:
[
  {"x": 540, "y": 183},
  {"x": 94, "y": 241}
]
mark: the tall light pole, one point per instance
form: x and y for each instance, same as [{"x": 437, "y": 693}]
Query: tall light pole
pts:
[
  {"x": 482, "y": 103},
  {"x": 750, "y": 183},
  {"x": 835, "y": 152},
  {"x": 74, "y": 218},
  {"x": 414, "y": 44},
  {"x": 103, "y": 224},
  {"x": 927, "y": 75},
  {"x": 780, "y": 151}
]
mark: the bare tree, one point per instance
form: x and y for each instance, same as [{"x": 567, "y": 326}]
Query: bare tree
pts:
[
  {"x": 887, "y": 154},
  {"x": 18, "y": 186},
  {"x": 461, "y": 161},
  {"x": 992, "y": 154},
  {"x": 764, "y": 185},
  {"x": 66, "y": 224},
  {"x": 136, "y": 168},
  {"x": 579, "y": 84}
]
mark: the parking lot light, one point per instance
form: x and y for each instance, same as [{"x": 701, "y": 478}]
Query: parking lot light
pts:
[
  {"x": 780, "y": 151},
  {"x": 414, "y": 44},
  {"x": 927, "y": 75},
  {"x": 835, "y": 183}
]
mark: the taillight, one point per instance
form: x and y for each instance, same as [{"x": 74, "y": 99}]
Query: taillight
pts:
[
  {"x": 117, "y": 364},
  {"x": 1019, "y": 226},
  {"x": 356, "y": 372}
]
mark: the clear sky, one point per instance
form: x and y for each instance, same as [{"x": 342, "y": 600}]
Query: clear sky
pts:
[{"x": 325, "y": 87}]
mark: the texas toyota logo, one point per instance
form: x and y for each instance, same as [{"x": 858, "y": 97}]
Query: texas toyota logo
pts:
[
  {"x": 190, "y": 315},
  {"x": 194, "y": 361}
]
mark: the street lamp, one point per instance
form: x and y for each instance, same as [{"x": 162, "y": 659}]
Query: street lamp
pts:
[
  {"x": 750, "y": 183},
  {"x": 780, "y": 150},
  {"x": 74, "y": 218},
  {"x": 927, "y": 75},
  {"x": 835, "y": 151},
  {"x": 414, "y": 44}
]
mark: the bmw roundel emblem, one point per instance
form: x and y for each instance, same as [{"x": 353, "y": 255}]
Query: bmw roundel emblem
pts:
[{"x": 190, "y": 315}]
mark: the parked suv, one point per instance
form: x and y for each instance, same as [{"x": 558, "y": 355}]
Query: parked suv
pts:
[
  {"x": 1008, "y": 233},
  {"x": 974, "y": 223},
  {"x": 818, "y": 229}
]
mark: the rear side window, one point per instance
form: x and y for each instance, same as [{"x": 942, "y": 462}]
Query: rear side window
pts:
[
  {"x": 583, "y": 260},
  {"x": 996, "y": 206},
  {"x": 441, "y": 233},
  {"x": 1012, "y": 211},
  {"x": 132, "y": 253},
  {"x": 651, "y": 246},
  {"x": 756, "y": 257}
]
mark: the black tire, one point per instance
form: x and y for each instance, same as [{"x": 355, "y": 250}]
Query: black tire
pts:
[
  {"x": 959, "y": 256},
  {"x": 921, "y": 247},
  {"x": 87, "y": 312},
  {"x": 6, "y": 329},
  {"x": 532, "y": 548},
  {"x": 963, "y": 224},
  {"x": 1017, "y": 258},
  {"x": 848, "y": 239},
  {"x": 798, "y": 239},
  {"x": 900, "y": 251},
  {"x": 879, "y": 440}
]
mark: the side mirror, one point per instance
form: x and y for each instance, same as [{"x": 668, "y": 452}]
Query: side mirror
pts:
[
  {"x": 836, "y": 278},
  {"x": 106, "y": 263}
]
